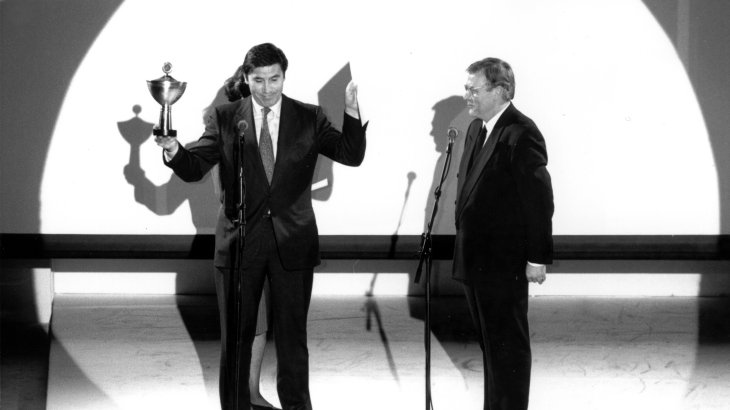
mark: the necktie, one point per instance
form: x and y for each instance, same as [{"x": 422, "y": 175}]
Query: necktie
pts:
[
  {"x": 478, "y": 145},
  {"x": 266, "y": 148}
]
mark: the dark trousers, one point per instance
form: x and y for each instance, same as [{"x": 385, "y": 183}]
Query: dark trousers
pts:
[
  {"x": 499, "y": 312},
  {"x": 290, "y": 292}
]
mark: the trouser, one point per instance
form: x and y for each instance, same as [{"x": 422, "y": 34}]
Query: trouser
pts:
[
  {"x": 290, "y": 295},
  {"x": 499, "y": 312}
]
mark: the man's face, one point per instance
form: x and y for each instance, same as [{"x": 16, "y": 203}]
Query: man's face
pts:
[
  {"x": 266, "y": 84},
  {"x": 482, "y": 101}
]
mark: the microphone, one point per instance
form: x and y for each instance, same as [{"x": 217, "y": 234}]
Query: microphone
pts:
[
  {"x": 242, "y": 127},
  {"x": 453, "y": 133}
]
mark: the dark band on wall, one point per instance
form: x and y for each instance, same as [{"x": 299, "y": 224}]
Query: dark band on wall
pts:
[{"x": 567, "y": 247}]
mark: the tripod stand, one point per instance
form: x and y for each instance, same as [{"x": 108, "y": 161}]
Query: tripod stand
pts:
[
  {"x": 426, "y": 258},
  {"x": 236, "y": 275}
]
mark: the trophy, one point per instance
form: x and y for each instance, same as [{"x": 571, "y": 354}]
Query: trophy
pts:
[{"x": 166, "y": 91}]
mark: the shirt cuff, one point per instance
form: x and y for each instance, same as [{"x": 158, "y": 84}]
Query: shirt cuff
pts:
[{"x": 352, "y": 113}]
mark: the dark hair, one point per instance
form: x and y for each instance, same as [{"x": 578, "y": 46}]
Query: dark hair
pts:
[
  {"x": 235, "y": 87},
  {"x": 498, "y": 74},
  {"x": 264, "y": 55}
]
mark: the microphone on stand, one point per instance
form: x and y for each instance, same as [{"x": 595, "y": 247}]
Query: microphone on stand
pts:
[
  {"x": 235, "y": 288},
  {"x": 242, "y": 127},
  {"x": 426, "y": 257},
  {"x": 452, "y": 133}
]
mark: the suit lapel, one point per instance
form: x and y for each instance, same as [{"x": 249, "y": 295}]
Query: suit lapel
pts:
[
  {"x": 245, "y": 113},
  {"x": 251, "y": 145},
  {"x": 482, "y": 159},
  {"x": 287, "y": 135},
  {"x": 469, "y": 142}
]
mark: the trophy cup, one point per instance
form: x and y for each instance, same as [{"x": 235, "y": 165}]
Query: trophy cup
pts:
[{"x": 166, "y": 91}]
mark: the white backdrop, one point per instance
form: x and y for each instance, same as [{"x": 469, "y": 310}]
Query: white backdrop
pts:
[{"x": 629, "y": 152}]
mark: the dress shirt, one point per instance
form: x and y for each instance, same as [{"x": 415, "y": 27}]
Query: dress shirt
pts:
[
  {"x": 258, "y": 118},
  {"x": 492, "y": 121},
  {"x": 273, "y": 119}
]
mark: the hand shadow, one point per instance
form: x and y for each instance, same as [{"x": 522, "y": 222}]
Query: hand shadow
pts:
[{"x": 331, "y": 97}]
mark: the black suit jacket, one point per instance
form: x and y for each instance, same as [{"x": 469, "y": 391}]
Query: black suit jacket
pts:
[
  {"x": 504, "y": 205},
  {"x": 304, "y": 133}
]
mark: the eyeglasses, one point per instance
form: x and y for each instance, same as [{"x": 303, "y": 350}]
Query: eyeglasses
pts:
[{"x": 474, "y": 91}]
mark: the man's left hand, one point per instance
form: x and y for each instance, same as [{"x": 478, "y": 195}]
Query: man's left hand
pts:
[
  {"x": 351, "y": 106},
  {"x": 536, "y": 273}
]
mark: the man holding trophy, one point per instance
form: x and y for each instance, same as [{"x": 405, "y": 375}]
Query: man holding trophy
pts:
[{"x": 266, "y": 146}]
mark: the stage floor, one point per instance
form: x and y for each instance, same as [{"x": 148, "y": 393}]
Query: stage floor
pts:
[{"x": 153, "y": 352}]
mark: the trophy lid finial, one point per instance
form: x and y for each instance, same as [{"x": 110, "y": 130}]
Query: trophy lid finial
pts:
[{"x": 166, "y": 90}]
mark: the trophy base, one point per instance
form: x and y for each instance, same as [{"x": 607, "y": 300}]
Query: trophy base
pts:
[{"x": 162, "y": 133}]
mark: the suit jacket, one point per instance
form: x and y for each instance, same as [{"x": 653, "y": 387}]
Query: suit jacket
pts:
[
  {"x": 504, "y": 205},
  {"x": 304, "y": 133}
]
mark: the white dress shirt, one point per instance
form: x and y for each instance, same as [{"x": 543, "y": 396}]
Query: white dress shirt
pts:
[
  {"x": 490, "y": 124},
  {"x": 273, "y": 118}
]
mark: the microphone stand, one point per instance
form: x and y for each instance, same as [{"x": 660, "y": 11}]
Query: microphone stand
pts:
[
  {"x": 426, "y": 258},
  {"x": 236, "y": 285}
]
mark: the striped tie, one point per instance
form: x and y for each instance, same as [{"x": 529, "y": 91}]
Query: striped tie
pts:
[{"x": 266, "y": 148}]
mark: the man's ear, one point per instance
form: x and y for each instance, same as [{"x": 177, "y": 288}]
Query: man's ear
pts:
[{"x": 503, "y": 93}]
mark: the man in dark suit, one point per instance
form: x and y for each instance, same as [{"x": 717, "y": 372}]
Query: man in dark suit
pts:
[
  {"x": 504, "y": 208},
  {"x": 282, "y": 140}
]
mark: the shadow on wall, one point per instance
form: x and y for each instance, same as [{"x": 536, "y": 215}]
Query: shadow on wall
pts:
[
  {"x": 447, "y": 318},
  {"x": 47, "y": 40},
  {"x": 700, "y": 34},
  {"x": 24, "y": 337},
  {"x": 43, "y": 44},
  {"x": 165, "y": 200},
  {"x": 448, "y": 112}
]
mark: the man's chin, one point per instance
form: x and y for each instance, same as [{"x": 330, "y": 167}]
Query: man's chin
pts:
[{"x": 267, "y": 102}]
